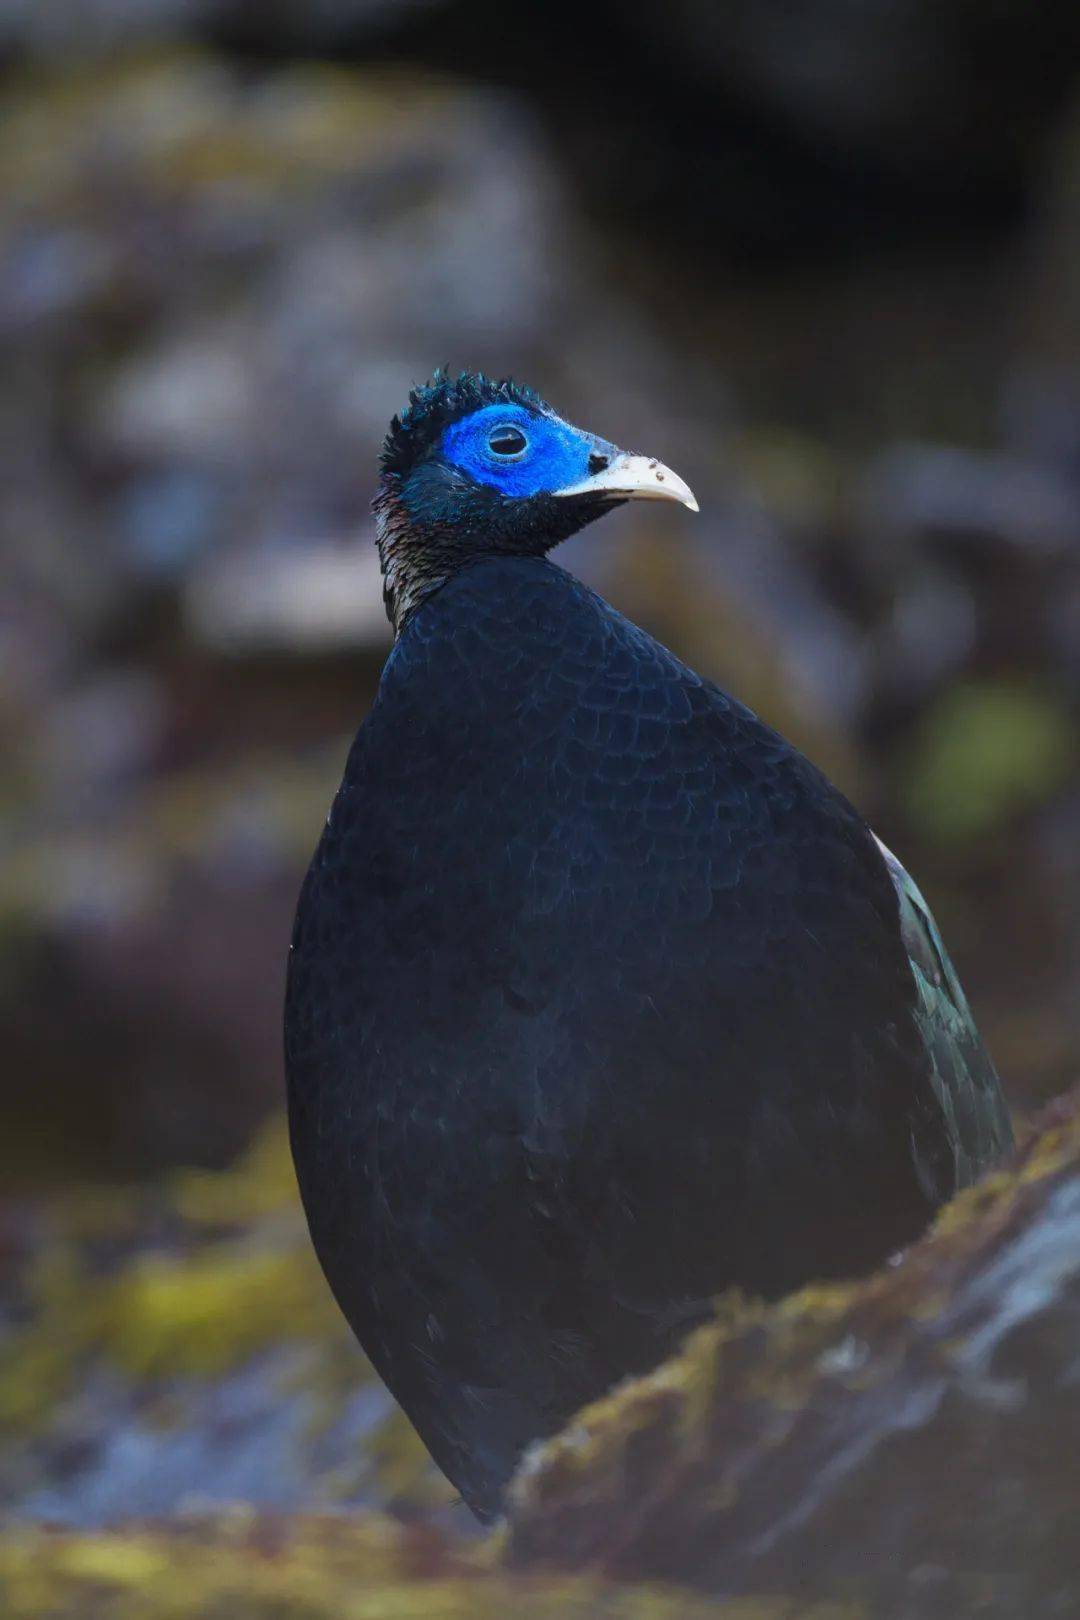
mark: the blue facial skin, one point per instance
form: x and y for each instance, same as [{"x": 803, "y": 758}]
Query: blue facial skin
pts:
[{"x": 556, "y": 455}]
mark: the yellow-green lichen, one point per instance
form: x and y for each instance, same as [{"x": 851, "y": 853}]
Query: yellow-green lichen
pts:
[
  {"x": 203, "y": 1314},
  {"x": 756, "y": 1384},
  {"x": 198, "y": 1307},
  {"x": 1052, "y": 1146},
  {"x": 159, "y": 1297},
  {"x": 402, "y": 1466},
  {"x": 260, "y": 1184},
  {"x": 243, "y": 1566}
]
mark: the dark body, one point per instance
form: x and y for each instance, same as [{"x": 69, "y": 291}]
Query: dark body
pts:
[{"x": 601, "y": 1000}]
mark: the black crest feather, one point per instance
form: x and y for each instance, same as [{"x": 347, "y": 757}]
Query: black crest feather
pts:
[{"x": 434, "y": 405}]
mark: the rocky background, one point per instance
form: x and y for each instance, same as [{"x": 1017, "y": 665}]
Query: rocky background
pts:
[{"x": 824, "y": 260}]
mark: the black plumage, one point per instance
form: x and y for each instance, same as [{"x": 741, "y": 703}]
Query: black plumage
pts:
[{"x": 601, "y": 998}]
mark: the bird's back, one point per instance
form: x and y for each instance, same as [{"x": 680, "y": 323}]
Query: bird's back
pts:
[{"x": 598, "y": 1003}]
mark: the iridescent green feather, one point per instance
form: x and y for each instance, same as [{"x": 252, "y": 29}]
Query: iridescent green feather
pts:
[{"x": 964, "y": 1078}]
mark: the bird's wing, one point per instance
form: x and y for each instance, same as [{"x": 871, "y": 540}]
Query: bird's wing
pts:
[{"x": 964, "y": 1078}]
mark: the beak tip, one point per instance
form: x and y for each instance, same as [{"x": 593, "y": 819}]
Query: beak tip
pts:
[{"x": 635, "y": 478}]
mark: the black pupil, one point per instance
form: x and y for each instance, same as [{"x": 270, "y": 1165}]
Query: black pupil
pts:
[{"x": 507, "y": 441}]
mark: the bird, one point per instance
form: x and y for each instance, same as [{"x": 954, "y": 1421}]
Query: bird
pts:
[{"x": 601, "y": 998}]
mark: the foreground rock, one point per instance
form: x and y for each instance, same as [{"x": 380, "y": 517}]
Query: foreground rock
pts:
[
  {"x": 904, "y": 1446},
  {"x": 908, "y": 1442}
]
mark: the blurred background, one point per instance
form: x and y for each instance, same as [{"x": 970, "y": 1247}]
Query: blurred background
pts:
[{"x": 824, "y": 260}]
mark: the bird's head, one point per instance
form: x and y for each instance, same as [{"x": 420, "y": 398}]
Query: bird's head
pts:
[{"x": 475, "y": 467}]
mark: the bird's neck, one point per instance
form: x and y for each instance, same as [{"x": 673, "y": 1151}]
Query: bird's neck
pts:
[
  {"x": 413, "y": 563},
  {"x": 447, "y": 525}
]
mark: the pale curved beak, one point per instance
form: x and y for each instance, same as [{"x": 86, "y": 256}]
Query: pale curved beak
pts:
[{"x": 635, "y": 478}]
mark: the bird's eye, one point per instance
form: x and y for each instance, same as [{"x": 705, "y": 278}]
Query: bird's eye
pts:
[{"x": 507, "y": 442}]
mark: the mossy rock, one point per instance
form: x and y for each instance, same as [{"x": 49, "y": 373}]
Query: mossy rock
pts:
[
  {"x": 899, "y": 1446},
  {"x": 908, "y": 1441}
]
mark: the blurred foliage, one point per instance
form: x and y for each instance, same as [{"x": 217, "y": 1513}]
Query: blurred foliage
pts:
[
  {"x": 217, "y": 279},
  {"x": 986, "y": 751}
]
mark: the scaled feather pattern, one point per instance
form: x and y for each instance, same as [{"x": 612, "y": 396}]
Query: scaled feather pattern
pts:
[{"x": 601, "y": 998}]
